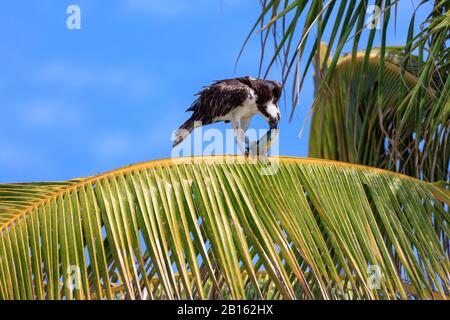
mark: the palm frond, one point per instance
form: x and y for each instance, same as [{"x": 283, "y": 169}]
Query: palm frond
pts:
[
  {"x": 294, "y": 24},
  {"x": 16, "y": 197},
  {"x": 350, "y": 123},
  {"x": 208, "y": 228}
]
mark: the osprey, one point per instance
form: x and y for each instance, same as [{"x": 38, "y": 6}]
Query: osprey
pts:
[{"x": 233, "y": 101}]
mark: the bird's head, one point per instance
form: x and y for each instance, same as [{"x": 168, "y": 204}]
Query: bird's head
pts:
[
  {"x": 273, "y": 122},
  {"x": 268, "y": 97}
]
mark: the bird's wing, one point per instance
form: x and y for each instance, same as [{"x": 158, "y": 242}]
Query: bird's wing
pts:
[{"x": 219, "y": 99}]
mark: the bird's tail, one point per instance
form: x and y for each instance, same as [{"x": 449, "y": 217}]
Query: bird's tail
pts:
[{"x": 182, "y": 132}]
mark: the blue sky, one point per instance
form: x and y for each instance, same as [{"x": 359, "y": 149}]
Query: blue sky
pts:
[{"x": 79, "y": 102}]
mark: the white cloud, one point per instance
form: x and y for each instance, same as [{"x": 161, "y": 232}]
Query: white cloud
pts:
[
  {"x": 173, "y": 8},
  {"x": 109, "y": 145},
  {"x": 47, "y": 114},
  {"x": 126, "y": 80},
  {"x": 112, "y": 145},
  {"x": 159, "y": 8},
  {"x": 14, "y": 157}
]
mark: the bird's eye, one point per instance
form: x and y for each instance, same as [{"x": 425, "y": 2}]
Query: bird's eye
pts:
[{"x": 276, "y": 91}]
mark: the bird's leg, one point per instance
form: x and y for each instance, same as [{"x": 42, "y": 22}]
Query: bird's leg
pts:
[
  {"x": 244, "y": 126},
  {"x": 240, "y": 136},
  {"x": 247, "y": 145},
  {"x": 240, "y": 140}
]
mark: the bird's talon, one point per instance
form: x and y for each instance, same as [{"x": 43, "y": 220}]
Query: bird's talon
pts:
[{"x": 247, "y": 151}]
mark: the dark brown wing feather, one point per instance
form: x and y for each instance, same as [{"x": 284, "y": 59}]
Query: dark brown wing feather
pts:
[{"x": 218, "y": 99}]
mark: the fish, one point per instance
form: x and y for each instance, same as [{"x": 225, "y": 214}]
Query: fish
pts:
[{"x": 262, "y": 147}]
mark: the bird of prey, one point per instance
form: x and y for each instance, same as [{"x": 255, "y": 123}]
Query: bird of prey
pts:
[{"x": 233, "y": 101}]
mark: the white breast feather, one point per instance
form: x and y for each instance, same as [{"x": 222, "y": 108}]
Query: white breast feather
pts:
[{"x": 244, "y": 111}]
